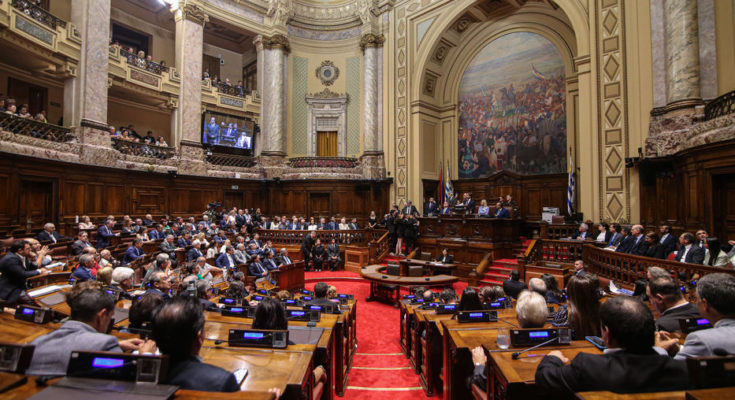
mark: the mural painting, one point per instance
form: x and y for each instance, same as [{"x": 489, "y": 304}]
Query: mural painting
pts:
[{"x": 512, "y": 108}]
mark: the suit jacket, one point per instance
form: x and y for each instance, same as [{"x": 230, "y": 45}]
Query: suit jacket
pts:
[
  {"x": 669, "y": 244},
  {"x": 695, "y": 255},
  {"x": 626, "y": 245},
  {"x": 307, "y": 244},
  {"x": 502, "y": 213},
  {"x": 669, "y": 319},
  {"x": 618, "y": 371},
  {"x": 223, "y": 261},
  {"x": 270, "y": 264},
  {"x": 333, "y": 250},
  {"x": 445, "y": 211},
  {"x": 639, "y": 246},
  {"x": 13, "y": 274},
  {"x": 51, "y": 356},
  {"x": 448, "y": 259},
  {"x": 281, "y": 260},
  {"x": 430, "y": 208},
  {"x": 193, "y": 374},
  {"x": 332, "y": 226},
  {"x": 82, "y": 274},
  {"x": 410, "y": 210},
  {"x": 578, "y": 235},
  {"x": 240, "y": 257},
  {"x": 169, "y": 248},
  {"x": 155, "y": 234},
  {"x": 193, "y": 254},
  {"x": 513, "y": 288},
  {"x": 471, "y": 206},
  {"x": 257, "y": 270},
  {"x": 655, "y": 250},
  {"x": 184, "y": 242},
  {"x": 615, "y": 239},
  {"x": 78, "y": 247},
  {"x": 103, "y": 237},
  {"x": 131, "y": 254},
  {"x": 44, "y": 236},
  {"x": 704, "y": 342}
]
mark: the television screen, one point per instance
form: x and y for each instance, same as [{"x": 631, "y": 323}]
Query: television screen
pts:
[{"x": 227, "y": 131}]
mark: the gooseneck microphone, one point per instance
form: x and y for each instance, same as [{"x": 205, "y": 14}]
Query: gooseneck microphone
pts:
[{"x": 516, "y": 354}]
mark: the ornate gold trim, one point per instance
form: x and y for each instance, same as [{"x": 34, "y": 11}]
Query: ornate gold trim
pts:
[
  {"x": 371, "y": 40},
  {"x": 193, "y": 13},
  {"x": 276, "y": 41}
]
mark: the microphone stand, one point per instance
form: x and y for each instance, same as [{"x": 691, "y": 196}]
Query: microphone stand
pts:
[{"x": 516, "y": 354}]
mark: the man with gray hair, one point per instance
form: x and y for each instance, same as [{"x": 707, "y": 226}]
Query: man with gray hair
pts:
[
  {"x": 716, "y": 303},
  {"x": 122, "y": 281},
  {"x": 582, "y": 234},
  {"x": 283, "y": 258},
  {"x": 241, "y": 256},
  {"x": 106, "y": 259},
  {"x": 537, "y": 285},
  {"x": 49, "y": 234},
  {"x": 84, "y": 270},
  {"x": 531, "y": 310}
]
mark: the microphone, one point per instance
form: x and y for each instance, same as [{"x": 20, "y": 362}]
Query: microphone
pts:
[{"x": 515, "y": 355}]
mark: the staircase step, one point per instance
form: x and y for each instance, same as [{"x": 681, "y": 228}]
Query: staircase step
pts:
[
  {"x": 495, "y": 276},
  {"x": 489, "y": 282}
]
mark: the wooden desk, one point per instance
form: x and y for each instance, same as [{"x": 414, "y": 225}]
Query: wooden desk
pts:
[
  {"x": 514, "y": 379},
  {"x": 430, "y": 267},
  {"x": 376, "y": 275},
  {"x": 17, "y": 331},
  {"x": 289, "y": 277},
  {"x": 676, "y": 395}
]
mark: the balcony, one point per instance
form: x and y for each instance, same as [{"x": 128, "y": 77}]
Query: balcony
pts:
[
  {"x": 133, "y": 148},
  {"x": 141, "y": 77},
  {"x": 227, "y": 99},
  {"x": 35, "y": 129},
  {"x": 322, "y": 162}
]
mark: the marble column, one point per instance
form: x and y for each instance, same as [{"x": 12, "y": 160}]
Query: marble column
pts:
[
  {"x": 190, "y": 20},
  {"x": 260, "y": 64},
  {"x": 372, "y": 46},
  {"x": 85, "y": 96},
  {"x": 273, "y": 113},
  {"x": 682, "y": 51}
]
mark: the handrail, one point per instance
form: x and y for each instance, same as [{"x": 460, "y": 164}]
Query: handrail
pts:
[
  {"x": 322, "y": 162},
  {"x": 37, "y": 129},
  {"x": 720, "y": 106},
  {"x": 295, "y": 237},
  {"x": 39, "y": 14},
  {"x": 378, "y": 249},
  {"x": 557, "y": 231},
  {"x": 232, "y": 90},
  {"x": 142, "y": 63},
  {"x": 141, "y": 149}
]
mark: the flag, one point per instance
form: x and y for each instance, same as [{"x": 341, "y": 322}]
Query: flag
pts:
[
  {"x": 537, "y": 74},
  {"x": 440, "y": 189},
  {"x": 570, "y": 188},
  {"x": 448, "y": 189}
]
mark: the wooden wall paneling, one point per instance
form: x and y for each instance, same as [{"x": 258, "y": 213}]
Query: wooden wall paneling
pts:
[
  {"x": 147, "y": 200},
  {"x": 94, "y": 199},
  {"x": 73, "y": 197},
  {"x": 115, "y": 199}
]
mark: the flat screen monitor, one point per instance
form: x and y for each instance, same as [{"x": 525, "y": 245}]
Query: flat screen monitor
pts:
[{"x": 228, "y": 131}]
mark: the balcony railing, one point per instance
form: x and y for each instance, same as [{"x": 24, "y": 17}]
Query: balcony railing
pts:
[
  {"x": 232, "y": 90},
  {"x": 720, "y": 106},
  {"x": 39, "y": 14},
  {"x": 142, "y": 149},
  {"x": 36, "y": 129},
  {"x": 322, "y": 162},
  {"x": 142, "y": 63},
  {"x": 230, "y": 160}
]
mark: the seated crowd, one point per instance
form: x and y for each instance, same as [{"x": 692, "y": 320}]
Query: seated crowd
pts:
[
  {"x": 503, "y": 207},
  {"x": 225, "y": 86}
]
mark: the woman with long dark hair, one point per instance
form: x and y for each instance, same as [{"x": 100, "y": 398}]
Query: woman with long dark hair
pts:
[
  {"x": 654, "y": 249},
  {"x": 270, "y": 315},
  {"x": 470, "y": 301},
  {"x": 553, "y": 294},
  {"x": 714, "y": 255},
  {"x": 582, "y": 312}
]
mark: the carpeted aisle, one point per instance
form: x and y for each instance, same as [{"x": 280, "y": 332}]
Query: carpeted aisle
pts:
[{"x": 379, "y": 368}]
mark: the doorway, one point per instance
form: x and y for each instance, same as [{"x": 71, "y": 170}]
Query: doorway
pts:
[
  {"x": 326, "y": 144},
  {"x": 27, "y": 93}
]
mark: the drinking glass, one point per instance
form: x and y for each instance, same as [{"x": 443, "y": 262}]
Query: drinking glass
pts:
[{"x": 503, "y": 338}]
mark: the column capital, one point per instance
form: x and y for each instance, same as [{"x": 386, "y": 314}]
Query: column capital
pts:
[
  {"x": 371, "y": 40},
  {"x": 191, "y": 12},
  {"x": 276, "y": 41}
]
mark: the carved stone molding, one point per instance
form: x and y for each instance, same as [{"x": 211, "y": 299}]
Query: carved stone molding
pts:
[
  {"x": 192, "y": 13},
  {"x": 327, "y": 112},
  {"x": 327, "y": 73},
  {"x": 371, "y": 40},
  {"x": 276, "y": 41},
  {"x": 326, "y": 94}
]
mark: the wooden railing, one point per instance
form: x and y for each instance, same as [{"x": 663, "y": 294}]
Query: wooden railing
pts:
[
  {"x": 628, "y": 268},
  {"x": 378, "y": 248},
  {"x": 322, "y": 162},
  {"x": 232, "y": 90},
  {"x": 557, "y": 231},
  {"x": 720, "y": 106},
  {"x": 142, "y": 63},
  {"x": 142, "y": 149},
  {"x": 560, "y": 250},
  {"x": 38, "y": 14},
  {"x": 230, "y": 160},
  {"x": 295, "y": 237},
  {"x": 33, "y": 128}
]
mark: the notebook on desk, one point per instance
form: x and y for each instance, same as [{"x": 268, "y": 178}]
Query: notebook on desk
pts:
[
  {"x": 304, "y": 334},
  {"x": 94, "y": 389},
  {"x": 121, "y": 314},
  {"x": 54, "y": 299}
]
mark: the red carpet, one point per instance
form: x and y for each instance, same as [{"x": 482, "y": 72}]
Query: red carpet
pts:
[{"x": 379, "y": 368}]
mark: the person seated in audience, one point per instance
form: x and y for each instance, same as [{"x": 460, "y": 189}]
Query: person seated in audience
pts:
[
  {"x": 106, "y": 259},
  {"x": 470, "y": 301},
  {"x": 487, "y": 294},
  {"x": 122, "y": 281},
  {"x": 220, "y": 237},
  {"x": 500, "y": 211},
  {"x": 15, "y": 268},
  {"x": 23, "y": 112},
  {"x": 84, "y": 270},
  {"x": 169, "y": 247},
  {"x": 86, "y": 223},
  {"x": 141, "y": 312},
  {"x": 553, "y": 294},
  {"x": 127, "y": 227},
  {"x": 716, "y": 303},
  {"x": 81, "y": 243},
  {"x": 11, "y": 109},
  {"x": 627, "y": 243},
  {"x": 537, "y": 285},
  {"x": 105, "y": 234},
  {"x": 270, "y": 315},
  {"x": 426, "y": 294},
  {"x": 148, "y": 220},
  {"x": 253, "y": 250},
  {"x": 284, "y": 295},
  {"x": 713, "y": 254},
  {"x": 688, "y": 251},
  {"x": 236, "y": 291},
  {"x": 333, "y": 255},
  {"x": 202, "y": 287},
  {"x": 667, "y": 240},
  {"x": 205, "y": 269},
  {"x": 318, "y": 255},
  {"x": 603, "y": 232},
  {"x": 582, "y": 233},
  {"x": 134, "y": 252},
  {"x": 667, "y": 299},
  {"x": 178, "y": 329},
  {"x": 701, "y": 236},
  {"x": 484, "y": 209},
  {"x": 257, "y": 269},
  {"x": 39, "y": 253},
  {"x": 531, "y": 310},
  {"x": 630, "y": 363},
  {"x": 445, "y": 257},
  {"x": 580, "y": 269},
  {"x": 104, "y": 276},
  {"x": 269, "y": 262},
  {"x": 226, "y": 260},
  {"x": 195, "y": 251},
  {"x": 652, "y": 248},
  {"x": 49, "y": 234},
  {"x": 445, "y": 210},
  {"x": 343, "y": 224},
  {"x": 513, "y": 286},
  {"x": 241, "y": 255},
  {"x": 615, "y": 236},
  {"x": 321, "y": 290},
  {"x": 448, "y": 296},
  {"x": 159, "y": 283},
  {"x": 331, "y": 292},
  {"x": 638, "y": 246},
  {"x": 283, "y": 258},
  {"x": 185, "y": 239},
  {"x": 157, "y": 233},
  {"x": 92, "y": 310},
  {"x": 581, "y": 313}
]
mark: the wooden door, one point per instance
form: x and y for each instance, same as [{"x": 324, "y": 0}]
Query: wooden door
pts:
[
  {"x": 326, "y": 144},
  {"x": 35, "y": 204},
  {"x": 723, "y": 187},
  {"x": 319, "y": 204},
  {"x": 233, "y": 199},
  {"x": 26, "y": 93},
  {"x": 211, "y": 64}
]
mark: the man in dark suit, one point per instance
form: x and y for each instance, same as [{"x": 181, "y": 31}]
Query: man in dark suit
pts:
[
  {"x": 104, "y": 234},
  {"x": 688, "y": 251},
  {"x": 665, "y": 296},
  {"x": 333, "y": 257},
  {"x": 701, "y": 236},
  {"x": 270, "y": 262},
  {"x": 185, "y": 240},
  {"x": 639, "y": 246},
  {"x": 178, "y": 329},
  {"x": 628, "y": 241},
  {"x": 513, "y": 286},
  {"x": 169, "y": 247},
  {"x": 500, "y": 211},
  {"x": 91, "y": 309},
  {"x": 629, "y": 365},
  {"x": 15, "y": 268},
  {"x": 445, "y": 258},
  {"x": 83, "y": 272},
  {"x": 195, "y": 251},
  {"x": 332, "y": 225},
  {"x": 617, "y": 237},
  {"x": 579, "y": 268},
  {"x": 133, "y": 252},
  {"x": 446, "y": 210},
  {"x": 320, "y": 297},
  {"x": 430, "y": 208},
  {"x": 49, "y": 234},
  {"x": 410, "y": 209},
  {"x": 583, "y": 233},
  {"x": 283, "y": 258},
  {"x": 81, "y": 243},
  {"x": 160, "y": 284},
  {"x": 306, "y": 246},
  {"x": 226, "y": 260},
  {"x": 468, "y": 202},
  {"x": 257, "y": 269},
  {"x": 158, "y": 233},
  {"x": 668, "y": 241}
]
